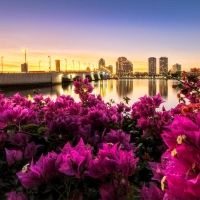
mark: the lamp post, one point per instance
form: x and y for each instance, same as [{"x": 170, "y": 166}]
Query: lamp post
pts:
[
  {"x": 2, "y": 63},
  {"x": 66, "y": 65},
  {"x": 73, "y": 64},
  {"x": 49, "y": 63},
  {"x": 79, "y": 65},
  {"x": 24, "y": 50},
  {"x": 39, "y": 65}
]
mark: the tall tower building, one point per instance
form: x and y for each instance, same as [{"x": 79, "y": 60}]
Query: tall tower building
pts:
[
  {"x": 102, "y": 63},
  {"x": 163, "y": 62},
  {"x": 57, "y": 65},
  {"x": 123, "y": 66},
  {"x": 152, "y": 66},
  {"x": 176, "y": 67}
]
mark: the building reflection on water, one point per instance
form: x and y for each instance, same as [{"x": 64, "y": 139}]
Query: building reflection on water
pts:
[
  {"x": 163, "y": 88},
  {"x": 111, "y": 89},
  {"x": 152, "y": 87},
  {"x": 124, "y": 87},
  {"x": 161, "y": 84}
]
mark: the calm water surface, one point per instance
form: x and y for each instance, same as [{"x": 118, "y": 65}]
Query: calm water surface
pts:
[{"x": 112, "y": 89}]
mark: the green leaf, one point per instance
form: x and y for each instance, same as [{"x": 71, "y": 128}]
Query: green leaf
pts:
[
  {"x": 181, "y": 86},
  {"x": 29, "y": 127},
  {"x": 41, "y": 130},
  {"x": 126, "y": 99}
]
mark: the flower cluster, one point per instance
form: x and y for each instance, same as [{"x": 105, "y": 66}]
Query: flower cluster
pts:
[
  {"x": 179, "y": 170},
  {"x": 83, "y": 88},
  {"x": 64, "y": 149},
  {"x": 148, "y": 118},
  {"x": 189, "y": 86},
  {"x": 42, "y": 147}
]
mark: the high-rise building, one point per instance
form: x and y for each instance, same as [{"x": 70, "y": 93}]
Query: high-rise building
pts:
[
  {"x": 152, "y": 66},
  {"x": 110, "y": 68},
  {"x": 24, "y": 67},
  {"x": 57, "y": 65},
  {"x": 163, "y": 68},
  {"x": 124, "y": 67},
  {"x": 102, "y": 63},
  {"x": 176, "y": 67}
]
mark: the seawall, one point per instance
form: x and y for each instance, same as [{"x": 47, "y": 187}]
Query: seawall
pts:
[{"x": 43, "y": 78}]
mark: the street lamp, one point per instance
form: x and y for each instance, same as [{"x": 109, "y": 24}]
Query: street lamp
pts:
[
  {"x": 2, "y": 63},
  {"x": 24, "y": 50},
  {"x": 73, "y": 64},
  {"x": 79, "y": 65},
  {"x": 49, "y": 63},
  {"x": 39, "y": 65},
  {"x": 66, "y": 65}
]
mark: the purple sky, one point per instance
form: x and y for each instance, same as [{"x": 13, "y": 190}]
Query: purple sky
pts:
[{"x": 87, "y": 30}]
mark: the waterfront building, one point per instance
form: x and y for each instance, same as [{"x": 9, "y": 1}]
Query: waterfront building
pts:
[
  {"x": 152, "y": 66},
  {"x": 124, "y": 67},
  {"x": 102, "y": 63},
  {"x": 140, "y": 74},
  {"x": 110, "y": 68},
  {"x": 24, "y": 67},
  {"x": 57, "y": 65},
  {"x": 195, "y": 70},
  {"x": 163, "y": 65},
  {"x": 176, "y": 67}
]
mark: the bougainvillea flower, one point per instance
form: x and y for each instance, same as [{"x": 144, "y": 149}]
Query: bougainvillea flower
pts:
[
  {"x": 38, "y": 98},
  {"x": 176, "y": 186},
  {"x": 16, "y": 196},
  {"x": 157, "y": 100},
  {"x": 31, "y": 150},
  {"x": 109, "y": 192},
  {"x": 2, "y": 124},
  {"x": 41, "y": 172},
  {"x": 3, "y": 138},
  {"x": 128, "y": 163},
  {"x": 180, "y": 126},
  {"x": 13, "y": 155},
  {"x": 74, "y": 160},
  {"x": 151, "y": 193},
  {"x": 157, "y": 171},
  {"x": 19, "y": 139},
  {"x": 112, "y": 160},
  {"x": 30, "y": 177},
  {"x": 183, "y": 123},
  {"x": 120, "y": 137},
  {"x": 188, "y": 155},
  {"x": 193, "y": 186}
]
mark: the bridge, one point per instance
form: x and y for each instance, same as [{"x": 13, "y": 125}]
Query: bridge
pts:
[
  {"x": 39, "y": 77},
  {"x": 72, "y": 75}
]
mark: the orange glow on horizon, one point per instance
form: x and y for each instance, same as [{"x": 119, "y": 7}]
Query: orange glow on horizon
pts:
[{"x": 12, "y": 61}]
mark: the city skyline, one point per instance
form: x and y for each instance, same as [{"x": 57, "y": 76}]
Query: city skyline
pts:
[{"x": 85, "y": 31}]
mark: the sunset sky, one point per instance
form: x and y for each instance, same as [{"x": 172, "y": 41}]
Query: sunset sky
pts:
[{"x": 87, "y": 30}]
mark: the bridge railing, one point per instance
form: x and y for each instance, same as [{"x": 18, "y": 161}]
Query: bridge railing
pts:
[{"x": 81, "y": 71}]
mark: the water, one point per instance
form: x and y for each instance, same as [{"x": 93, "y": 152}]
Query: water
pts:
[{"x": 113, "y": 89}]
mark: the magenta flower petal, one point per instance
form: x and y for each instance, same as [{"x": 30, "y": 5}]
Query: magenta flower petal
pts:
[{"x": 13, "y": 155}]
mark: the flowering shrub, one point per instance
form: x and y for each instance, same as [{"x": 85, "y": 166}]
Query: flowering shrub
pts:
[{"x": 64, "y": 149}]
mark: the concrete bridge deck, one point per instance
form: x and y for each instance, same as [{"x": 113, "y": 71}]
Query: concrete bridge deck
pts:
[{"x": 37, "y": 78}]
